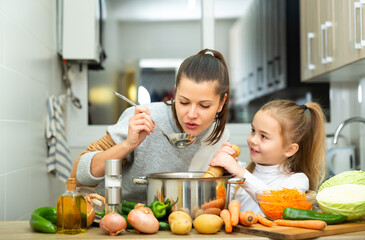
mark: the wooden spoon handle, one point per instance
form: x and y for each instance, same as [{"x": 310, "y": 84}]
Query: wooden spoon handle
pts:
[{"x": 218, "y": 171}]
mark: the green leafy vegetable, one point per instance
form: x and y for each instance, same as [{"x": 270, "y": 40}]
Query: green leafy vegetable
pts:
[
  {"x": 344, "y": 194},
  {"x": 348, "y": 177}
]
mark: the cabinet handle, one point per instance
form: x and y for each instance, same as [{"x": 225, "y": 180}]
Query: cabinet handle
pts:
[
  {"x": 328, "y": 25},
  {"x": 278, "y": 68},
  {"x": 309, "y": 38},
  {"x": 245, "y": 86},
  {"x": 324, "y": 32},
  {"x": 259, "y": 79},
  {"x": 269, "y": 73},
  {"x": 251, "y": 82},
  {"x": 357, "y": 5}
]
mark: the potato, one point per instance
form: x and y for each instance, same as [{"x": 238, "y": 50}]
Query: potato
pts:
[
  {"x": 194, "y": 210},
  {"x": 179, "y": 215},
  {"x": 237, "y": 150},
  {"x": 198, "y": 213},
  {"x": 207, "y": 223},
  {"x": 181, "y": 226}
]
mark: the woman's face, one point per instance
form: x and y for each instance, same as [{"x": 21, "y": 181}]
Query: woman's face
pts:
[
  {"x": 265, "y": 141},
  {"x": 197, "y": 105}
]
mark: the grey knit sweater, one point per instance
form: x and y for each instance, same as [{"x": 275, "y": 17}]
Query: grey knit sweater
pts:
[{"x": 153, "y": 155}]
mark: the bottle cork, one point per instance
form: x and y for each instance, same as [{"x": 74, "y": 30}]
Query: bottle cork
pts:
[
  {"x": 218, "y": 171},
  {"x": 71, "y": 184}
]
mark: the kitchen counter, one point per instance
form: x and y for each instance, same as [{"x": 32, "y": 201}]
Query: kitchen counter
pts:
[{"x": 21, "y": 230}]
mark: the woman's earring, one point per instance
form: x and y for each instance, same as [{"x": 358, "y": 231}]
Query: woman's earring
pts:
[{"x": 216, "y": 117}]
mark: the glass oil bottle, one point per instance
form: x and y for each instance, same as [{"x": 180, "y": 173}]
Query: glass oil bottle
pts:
[{"x": 71, "y": 210}]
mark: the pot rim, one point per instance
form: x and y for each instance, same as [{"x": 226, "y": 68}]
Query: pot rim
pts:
[{"x": 185, "y": 175}]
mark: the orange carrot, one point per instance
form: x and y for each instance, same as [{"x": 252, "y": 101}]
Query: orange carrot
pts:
[
  {"x": 311, "y": 224},
  {"x": 247, "y": 218},
  {"x": 264, "y": 221},
  {"x": 226, "y": 217},
  {"x": 218, "y": 203},
  {"x": 221, "y": 192},
  {"x": 215, "y": 211},
  {"x": 254, "y": 216},
  {"x": 273, "y": 202},
  {"x": 234, "y": 208}
]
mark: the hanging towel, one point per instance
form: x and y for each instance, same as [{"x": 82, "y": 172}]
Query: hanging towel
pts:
[{"x": 58, "y": 155}]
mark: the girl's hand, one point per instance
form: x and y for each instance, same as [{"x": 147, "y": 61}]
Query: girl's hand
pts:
[
  {"x": 223, "y": 158},
  {"x": 140, "y": 125}
]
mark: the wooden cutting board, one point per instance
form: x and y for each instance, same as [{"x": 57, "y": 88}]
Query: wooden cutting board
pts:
[{"x": 281, "y": 232}]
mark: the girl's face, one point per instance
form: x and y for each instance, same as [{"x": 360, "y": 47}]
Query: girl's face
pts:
[
  {"x": 197, "y": 105},
  {"x": 265, "y": 141}
]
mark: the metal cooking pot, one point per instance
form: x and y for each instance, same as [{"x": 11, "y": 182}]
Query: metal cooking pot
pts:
[{"x": 191, "y": 192}]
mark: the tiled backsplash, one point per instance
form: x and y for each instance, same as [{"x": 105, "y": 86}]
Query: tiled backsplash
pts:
[{"x": 29, "y": 73}]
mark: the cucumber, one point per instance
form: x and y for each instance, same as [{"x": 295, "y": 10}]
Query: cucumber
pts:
[
  {"x": 129, "y": 204},
  {"x": 301, "y": 214},
  {"x": 125, "y": 210},
  {"x": 129, "y": 226},
  {"x": 164, "y": 225}
]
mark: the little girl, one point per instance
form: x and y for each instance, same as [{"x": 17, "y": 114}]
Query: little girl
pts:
[{"x": 287, "y": 150}]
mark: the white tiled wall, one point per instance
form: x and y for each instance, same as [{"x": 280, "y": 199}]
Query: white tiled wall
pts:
[
  {"x": 29, "y": 73},
  {"x": 345, "y": 104}
]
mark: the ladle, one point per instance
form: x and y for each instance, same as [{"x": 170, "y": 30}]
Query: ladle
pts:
[{"x": 178, "y": 140}]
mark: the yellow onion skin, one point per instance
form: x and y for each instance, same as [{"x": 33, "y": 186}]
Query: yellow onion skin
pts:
[
  {"x": 143, "y": 220},
  {"x": 90, "y": 207},
  {"x": 90, "y": 213},
  {"x": 113, "y": 224}
]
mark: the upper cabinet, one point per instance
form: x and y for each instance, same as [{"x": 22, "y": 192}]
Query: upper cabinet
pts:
[
  {"x": 257, "y": 51},
  {"x": 332, "y": 34}
]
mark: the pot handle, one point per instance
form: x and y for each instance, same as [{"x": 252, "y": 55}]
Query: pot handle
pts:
[
  {"x": 140, "y": 180},
  {"x": 236, "y": 180}
]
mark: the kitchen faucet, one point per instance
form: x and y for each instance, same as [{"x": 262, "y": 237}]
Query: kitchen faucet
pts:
[{"x": 342, "y": 124}]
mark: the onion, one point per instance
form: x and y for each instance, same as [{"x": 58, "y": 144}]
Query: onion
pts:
[
  {"x": 113, "y": 224},
  {"x": 92, "y": 199},
  {"x": 143, "y": 220},
  {"x": 90, "y": 213}
]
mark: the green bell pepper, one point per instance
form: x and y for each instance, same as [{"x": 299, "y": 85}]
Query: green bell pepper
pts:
[
  {"x": 169, "y": 209},
  {"x": 43, "y": 219},
  {"x": 159, "y": 208},
  {"x": 302, "y": 214}
]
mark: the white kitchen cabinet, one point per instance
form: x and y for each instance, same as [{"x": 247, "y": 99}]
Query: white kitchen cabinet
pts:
[
  {"x": 80, "y": 22},
  {"x": 258, "y": 51},
  {"x": 279, "y": 65}
]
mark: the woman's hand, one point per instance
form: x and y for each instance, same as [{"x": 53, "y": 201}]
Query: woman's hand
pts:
[
  {"x": 140, "y": 125},
  {"x": 223, "y": 158}
]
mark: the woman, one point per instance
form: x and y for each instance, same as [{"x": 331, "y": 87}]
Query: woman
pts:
[{"x": 199, "y": 108}]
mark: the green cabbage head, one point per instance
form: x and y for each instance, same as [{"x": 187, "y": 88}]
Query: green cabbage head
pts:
[
  {"x": 349, "y": 177},
  {"x": 344, "y": 194}
]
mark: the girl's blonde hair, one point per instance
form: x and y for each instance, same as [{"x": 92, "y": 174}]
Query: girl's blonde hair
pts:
[{"x": 303, "y": 125}]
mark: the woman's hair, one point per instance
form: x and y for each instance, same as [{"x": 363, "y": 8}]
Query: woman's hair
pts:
[
  {"x": 207, "y": 66},
  {"x": 303, "y": 125}
]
